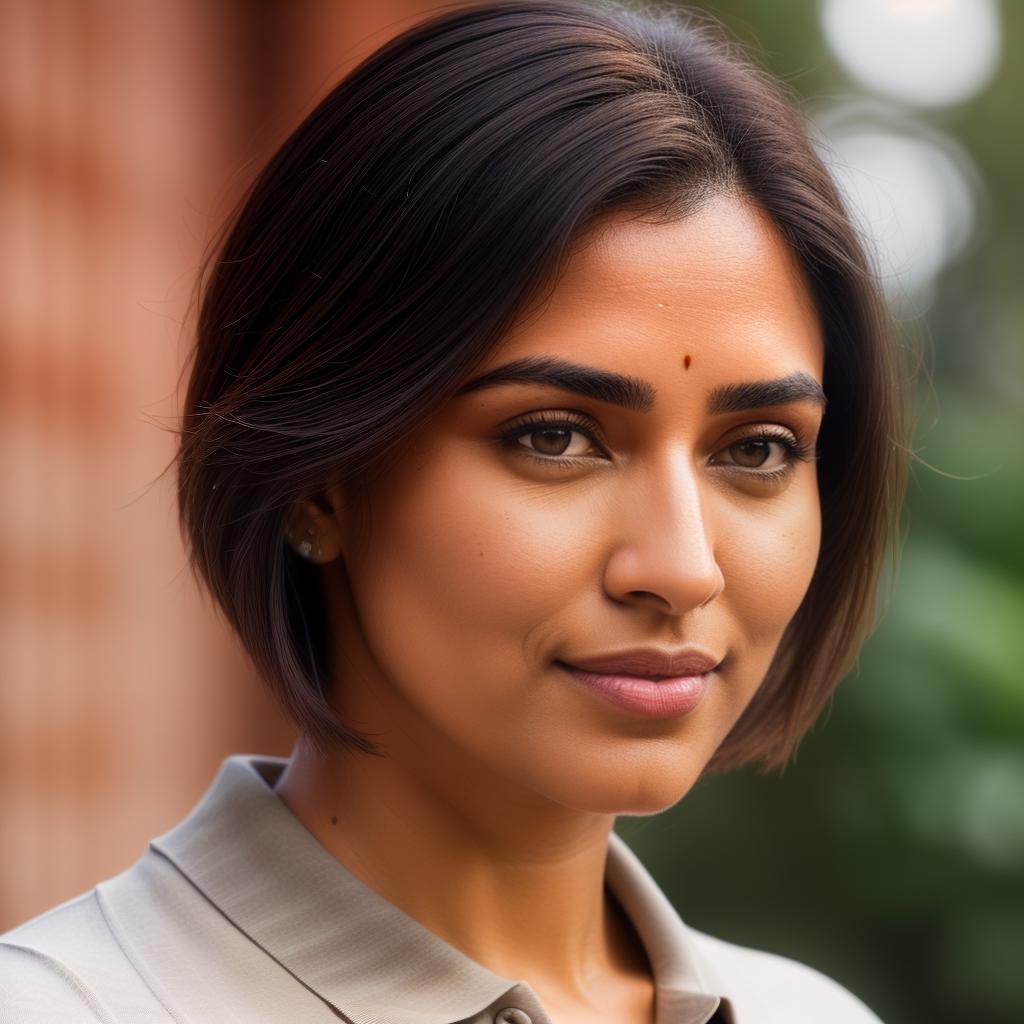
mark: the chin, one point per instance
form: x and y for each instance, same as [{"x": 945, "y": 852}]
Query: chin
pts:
[{"x": 642, "y": 792}]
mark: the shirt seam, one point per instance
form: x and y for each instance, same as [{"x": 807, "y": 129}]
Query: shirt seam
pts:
[{"x": 154, "y": 987}]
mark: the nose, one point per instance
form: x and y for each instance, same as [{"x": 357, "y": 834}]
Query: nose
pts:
[{"x": 663, "y": 555}]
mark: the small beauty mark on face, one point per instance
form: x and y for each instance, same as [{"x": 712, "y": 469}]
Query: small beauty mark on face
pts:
[
  {"x": 686, "y": 363},
  {"x": 334, "y": 819}
]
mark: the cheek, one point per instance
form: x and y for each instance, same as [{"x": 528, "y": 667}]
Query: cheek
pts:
[
  {"x": 768, "y": 556},
  {"x": 459, "y": 566}
]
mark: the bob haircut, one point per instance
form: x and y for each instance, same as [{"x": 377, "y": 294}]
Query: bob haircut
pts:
[{"x": 415, "y": 213}]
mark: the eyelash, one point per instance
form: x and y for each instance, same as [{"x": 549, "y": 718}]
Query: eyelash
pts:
[{"x": 796, "y": 450}]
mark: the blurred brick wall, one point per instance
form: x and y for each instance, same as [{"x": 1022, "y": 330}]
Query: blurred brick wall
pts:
[{"x": 128, "y": 128}]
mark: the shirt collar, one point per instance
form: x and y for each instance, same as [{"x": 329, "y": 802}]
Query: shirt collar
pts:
[{"x": 251, "y": 857}]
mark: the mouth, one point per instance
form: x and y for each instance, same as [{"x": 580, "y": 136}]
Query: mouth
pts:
[{"x": 650, "y": 696}]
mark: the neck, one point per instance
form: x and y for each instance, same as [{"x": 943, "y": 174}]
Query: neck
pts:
[{"x": 512, "y": 881}]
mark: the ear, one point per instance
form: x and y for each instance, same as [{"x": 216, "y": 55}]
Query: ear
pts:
[{"x": 313, "y": 528}]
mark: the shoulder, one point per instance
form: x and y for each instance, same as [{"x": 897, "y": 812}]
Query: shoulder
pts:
[
  {"x": 37, "y": 980},
  {"x": 765, "y": 986},
  {"x": 37, "y": 989},
  {"x": 66, "y": 965}
]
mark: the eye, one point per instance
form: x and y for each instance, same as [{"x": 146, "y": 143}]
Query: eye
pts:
[
  {"x": 549, "y": 438},
  {"x": 750, "y": 454}
]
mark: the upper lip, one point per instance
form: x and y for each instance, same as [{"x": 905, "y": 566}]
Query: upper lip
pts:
[{"x": 650, "y": 662}]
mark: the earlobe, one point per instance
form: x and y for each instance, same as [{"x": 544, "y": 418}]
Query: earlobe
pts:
[
  {"x": 307, "y": 545},
  {"x": 313, "y": 533}
]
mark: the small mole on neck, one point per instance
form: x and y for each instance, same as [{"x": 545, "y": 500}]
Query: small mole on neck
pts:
[
  {"x": 686, "y": 363},
  {"x": 334, "y": 819}
]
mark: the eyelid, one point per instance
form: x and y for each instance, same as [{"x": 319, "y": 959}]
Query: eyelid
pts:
[
  {"x": 580, "y": 421},
  {"x": 776, "y": 431}
]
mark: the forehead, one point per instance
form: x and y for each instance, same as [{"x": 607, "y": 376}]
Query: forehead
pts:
[{"x": 721, "y": 285}]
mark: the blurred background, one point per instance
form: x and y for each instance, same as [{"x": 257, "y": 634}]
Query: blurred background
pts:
[{"x": 890, "y": 854}]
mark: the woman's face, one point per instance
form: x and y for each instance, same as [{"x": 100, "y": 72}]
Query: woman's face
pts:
[{"x": 529, "y": 524}]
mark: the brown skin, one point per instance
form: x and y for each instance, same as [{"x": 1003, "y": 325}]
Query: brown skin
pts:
[{"x": 470, "y": 567}]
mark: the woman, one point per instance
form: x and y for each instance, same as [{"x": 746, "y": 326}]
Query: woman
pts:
[{"x": 542, "y": 445}]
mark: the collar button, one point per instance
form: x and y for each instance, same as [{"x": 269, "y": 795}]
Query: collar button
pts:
[{"x": 512, "y": 1015}]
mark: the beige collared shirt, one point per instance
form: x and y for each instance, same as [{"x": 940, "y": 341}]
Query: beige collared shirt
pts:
[{"x": 238, "y": 914}]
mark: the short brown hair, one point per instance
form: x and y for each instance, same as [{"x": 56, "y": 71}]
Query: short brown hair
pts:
[{"x": 396, "y": 234}]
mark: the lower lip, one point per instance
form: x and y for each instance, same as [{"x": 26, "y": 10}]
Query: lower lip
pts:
[{"x": 664, "y": 698}]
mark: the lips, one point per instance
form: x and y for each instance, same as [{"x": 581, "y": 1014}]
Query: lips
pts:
[{"x": 649, "y": 663}]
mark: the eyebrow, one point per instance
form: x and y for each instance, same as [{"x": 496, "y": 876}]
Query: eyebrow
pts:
[{"x": 639, "y": 395}]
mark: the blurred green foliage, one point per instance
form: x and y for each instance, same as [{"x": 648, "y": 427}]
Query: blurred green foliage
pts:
[{"x": 890, "y": 853}]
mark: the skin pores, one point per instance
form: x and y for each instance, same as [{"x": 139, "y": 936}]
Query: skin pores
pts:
[{"x": 469, "y": 566}]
